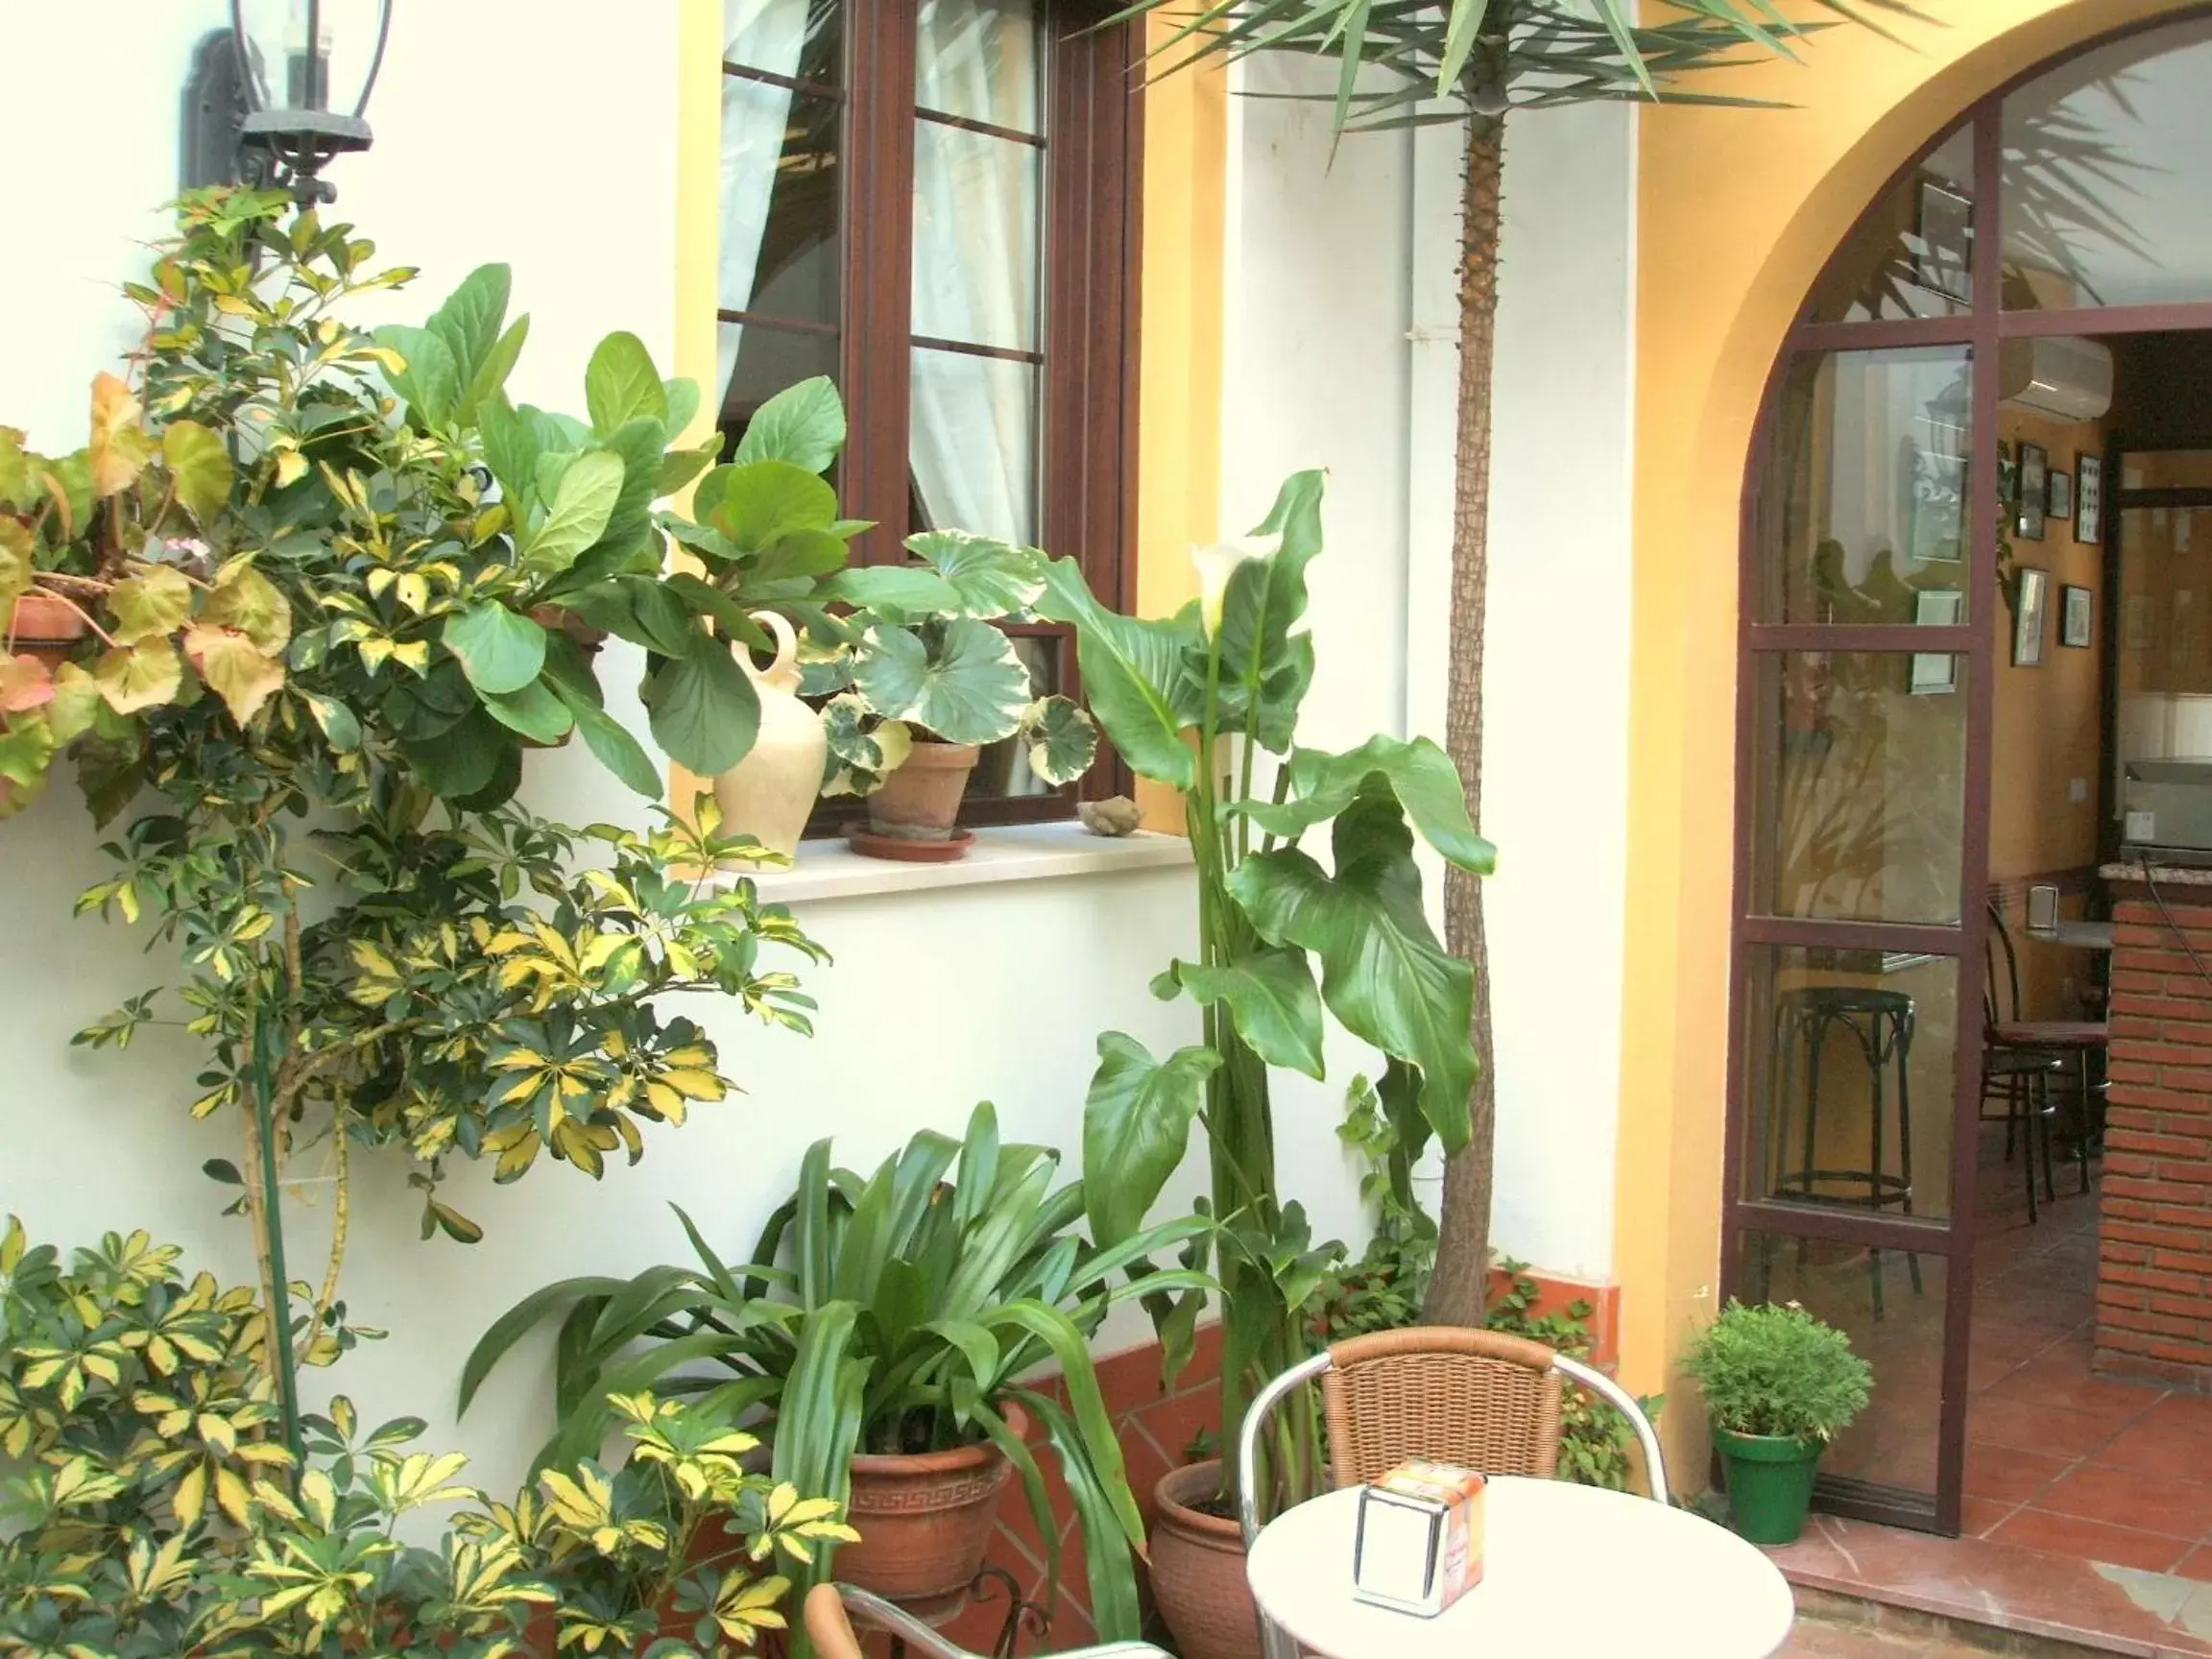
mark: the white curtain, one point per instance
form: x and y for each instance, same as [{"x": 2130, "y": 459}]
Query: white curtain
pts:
[
  {"x": 761, "y": 35},
  {"x": 976, "y": 201}
]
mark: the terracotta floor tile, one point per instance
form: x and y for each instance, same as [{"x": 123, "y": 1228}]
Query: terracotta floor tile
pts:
[
  {"x": 2132, "y": 1498},
  {"x": 2188, "y": 1412},
  {"x": 1984, "y": 1515},
  {"x": 2007, "y": 1475},
  {"x": 2026, "y": 1427},
  {"x": 2092, "y": 1541},
  {"x": 2062, "y": 1376},
  {"x": 2197, "y": 1564},
  {"x": 2157, "y": 1448}
]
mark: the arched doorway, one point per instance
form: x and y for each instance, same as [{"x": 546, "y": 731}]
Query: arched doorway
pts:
[{"x": 1885, "y": 593}]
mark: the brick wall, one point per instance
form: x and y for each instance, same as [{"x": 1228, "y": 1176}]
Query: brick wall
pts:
[{"x": 2155, "y": 1279}]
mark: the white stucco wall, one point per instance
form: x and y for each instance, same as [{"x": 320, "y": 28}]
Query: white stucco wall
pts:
[
  {"x": 541, "y": 132},
  {"x": 1342, "y": 351}
]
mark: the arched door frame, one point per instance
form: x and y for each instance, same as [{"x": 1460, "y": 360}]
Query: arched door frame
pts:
[{"x": 1979, "y": 329}]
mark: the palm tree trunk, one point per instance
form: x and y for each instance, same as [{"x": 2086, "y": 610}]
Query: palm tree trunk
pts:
[{"x": 1459, "y": 1291}]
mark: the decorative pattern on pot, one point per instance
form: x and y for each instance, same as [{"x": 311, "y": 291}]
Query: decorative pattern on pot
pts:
[
  {"x": 770, "y": 794},
  {"x": 925, "y": 1520}
]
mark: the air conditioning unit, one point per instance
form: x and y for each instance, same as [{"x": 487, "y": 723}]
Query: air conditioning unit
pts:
[{"x": 2060, "y": 375}]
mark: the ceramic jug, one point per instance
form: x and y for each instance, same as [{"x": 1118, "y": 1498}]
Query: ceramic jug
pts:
[{"x": 769, "y": 794}]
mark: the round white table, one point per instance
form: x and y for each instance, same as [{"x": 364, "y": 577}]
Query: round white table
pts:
[{"x": 1567, "y": 1570}]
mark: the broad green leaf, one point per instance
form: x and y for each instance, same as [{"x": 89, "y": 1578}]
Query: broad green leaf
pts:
[
  {"x": 250, "y": 602},
  {"x": 1135, "y": 1128},
  {"x": 198, "y": 467},
  {"x": 1062, "y": 741},
  {"x": 149, "y": 605},
  {"x": 612, "y": 744},
  {"x": 1416, "y": 771},
  {"x": 682, "y": 397},
  {"x": 703, "y": 709},
  {"x": 897, "y": 590},
  {"x": 76, "y": 705},
  {"x": 580, "y": 507},
  {"x": 803, "y": 425},
  {"x": 339, "y": 723},
  {"x": 758, "y": 503},
  {"x": 989, "y": 579},
  {"x": 25, "y": 684},
  {"x": 234, "y": 668},
  {"x": 17, "y": 553},
  {"x": 621, "y": 385},
  {"x": 120, "y": 445},
  {"x": 429, "y": 377},
  {"x": 467, "y": 323},
  {"x": 1271, "y": 998},
  {"x": 1264, "y": 670},
  {"x": 510, "y": 450},
  {"x": 1135, "y": 675},
  {"x": 535, "y": 710},
  {"x": 964, "y": 682},
  {"x": 862, "y": 751},
  {"x": 490, "y": 378},
  {"x": 1382, "y": 973},
  {"x": 135, "y": 677},
  {"x": 26, "y": 750},
  {"x": 499, "y": 650},
  {"x": 462, "y": 759},
  {"x": 642, "y": 444}
]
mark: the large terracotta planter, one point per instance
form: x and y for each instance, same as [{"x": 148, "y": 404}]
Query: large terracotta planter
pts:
[
  {"x": 770, "y": 793},
  {"x": 924, "y": 1520},
  {"x": 1198, "y": 1570},
  {"x": 921, "y": 799},
  {"x": 44, "y": 627}
]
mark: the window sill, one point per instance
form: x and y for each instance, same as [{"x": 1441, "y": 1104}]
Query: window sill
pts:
[{"x": 828, "y": 869}]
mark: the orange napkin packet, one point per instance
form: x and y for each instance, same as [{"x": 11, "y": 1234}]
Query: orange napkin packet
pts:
[{"x": 1418, "y": 1544}]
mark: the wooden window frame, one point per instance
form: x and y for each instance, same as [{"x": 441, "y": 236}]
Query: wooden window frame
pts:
[{"x": 1092, "y": 210}]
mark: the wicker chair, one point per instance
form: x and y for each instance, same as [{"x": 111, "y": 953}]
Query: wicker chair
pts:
[
  {"x": 830, "y": 1607},
  {"x": 1477, "y": 1398}
]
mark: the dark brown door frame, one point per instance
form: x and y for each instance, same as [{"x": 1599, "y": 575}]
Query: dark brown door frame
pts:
[{"x": 1979, "y": 329}]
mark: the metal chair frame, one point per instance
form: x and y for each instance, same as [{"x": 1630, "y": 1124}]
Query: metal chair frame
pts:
[
  {"x": 1277, "y": 1642},
  {"x": 909, "y": 1633}
]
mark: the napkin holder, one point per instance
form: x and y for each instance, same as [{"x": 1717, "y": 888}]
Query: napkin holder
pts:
[{"x": 1417, "y": 1547}]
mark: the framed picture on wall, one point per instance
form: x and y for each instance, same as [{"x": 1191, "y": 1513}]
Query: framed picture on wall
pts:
[
  {"x": 2031, "y": 598},
  {"x": 1937, "y": 507},
  {"x": 1934, "y": 672},
  {"x": 2007, "y": 474},
  {"x": 2035, "y": 489},
  {"x": 2060, "y": 504},
  {"x": 2076, "y": 607},
  {"x": 2088, "y": 498}
]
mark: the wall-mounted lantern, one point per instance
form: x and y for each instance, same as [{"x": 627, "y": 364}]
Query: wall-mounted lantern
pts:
[{"x": 273, "y": 97}]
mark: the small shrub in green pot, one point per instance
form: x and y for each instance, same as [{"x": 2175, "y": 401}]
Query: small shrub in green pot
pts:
[{"x": 1779, "y": 1385}]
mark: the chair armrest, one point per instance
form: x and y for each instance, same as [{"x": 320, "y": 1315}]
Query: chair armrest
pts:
[{"x": 883, "y": 1615}]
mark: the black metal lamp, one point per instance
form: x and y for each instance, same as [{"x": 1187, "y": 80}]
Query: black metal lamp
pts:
[{"x": 244, "y": 122}]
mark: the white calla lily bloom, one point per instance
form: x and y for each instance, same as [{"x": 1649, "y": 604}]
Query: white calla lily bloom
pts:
[{"x": 1218, "y": 564}]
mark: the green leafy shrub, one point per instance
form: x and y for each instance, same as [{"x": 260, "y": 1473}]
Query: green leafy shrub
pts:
[
  {"x": 154, "y": 1509},
  {"x": 1773, "y": 1369},
  {"x": 884, "y": 1313}
]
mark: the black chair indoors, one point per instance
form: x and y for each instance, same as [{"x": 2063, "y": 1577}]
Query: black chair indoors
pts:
[{"x": 2021, "y": 1056}]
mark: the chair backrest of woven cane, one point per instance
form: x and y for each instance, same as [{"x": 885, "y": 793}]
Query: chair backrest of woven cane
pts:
[{"x": 1477, "y": 1398}]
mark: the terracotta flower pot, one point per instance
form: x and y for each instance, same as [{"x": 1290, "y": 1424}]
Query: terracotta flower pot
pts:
[
  {"x": 924, "y": 1520},
  {"x": 44, "y": 627},
  {"x": 919, "y": 801},
  {"x": 1198, "y": 1570}
]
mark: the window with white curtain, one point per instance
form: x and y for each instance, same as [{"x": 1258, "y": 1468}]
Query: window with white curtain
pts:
[{"x": 932, "y": 202}]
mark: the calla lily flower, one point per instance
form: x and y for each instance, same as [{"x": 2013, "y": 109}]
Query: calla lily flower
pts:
[{"x": 1218, "y": 564}]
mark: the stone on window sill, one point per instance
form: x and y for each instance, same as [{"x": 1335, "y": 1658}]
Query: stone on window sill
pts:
[{"x": 828, "y": 869}]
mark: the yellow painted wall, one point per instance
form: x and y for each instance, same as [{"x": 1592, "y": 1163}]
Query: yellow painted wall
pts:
[
  {"x": 1738, "y": 211},
  {"x": 1180, "y": 334}
]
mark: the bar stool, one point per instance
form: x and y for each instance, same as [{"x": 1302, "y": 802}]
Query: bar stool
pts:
[{"x": 1881, "y": 1022}]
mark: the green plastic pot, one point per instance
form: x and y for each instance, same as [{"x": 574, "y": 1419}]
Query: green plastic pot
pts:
[{"x": 1770, "y": 1483}]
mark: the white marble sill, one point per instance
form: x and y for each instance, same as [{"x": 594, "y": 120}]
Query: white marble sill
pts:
[{"x": 828, "y": 869}]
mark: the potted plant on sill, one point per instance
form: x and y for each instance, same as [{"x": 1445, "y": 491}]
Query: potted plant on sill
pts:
[
  {"x": 881, "y": 1325},
  {"x": 927, "y": 678},
  {"x": 1207, "y": 702},
  {"x": 1779, "y": 1385}
]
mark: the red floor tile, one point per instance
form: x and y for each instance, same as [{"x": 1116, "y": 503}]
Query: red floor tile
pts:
[
  {"x": 2197, "y": 1564},
  {"x": 2062, "y": 1377},
  {"x": 1983, "y": 1516},
  {"x": 2026, "y": 1427},
  {"x": 2132, "y": 1498},
  {"x": 2157, "y": 1448},
  {"x": 2092, "y": 1541},
  {"x": 2005, "y": 1475}
]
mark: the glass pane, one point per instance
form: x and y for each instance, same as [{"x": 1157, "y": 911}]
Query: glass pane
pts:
[
  {"x": 760, "y": 361},
  {"x": 781, "y": 248},
  {"x": 975, "y": 445},
  {"x": 1003, "y": 772},
  {"x": 2102, "y": 186},
  {"x": 333, "y": 74},
  {"x": 802, "y": 38},
  {"x": 1914, "y": 255},
  {"x": 1849, "y": 1078},
  {"x": 1891, "y": 1305},
  {"x": 1858, "y": 785},
  {"x": 2167, "y": 469},
  {"x": 982, "y": 60},
  {"x": 1862, "y": 512},
  {"x": 2164, "y": 760},
  {"x": 975, "y": 237}
]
